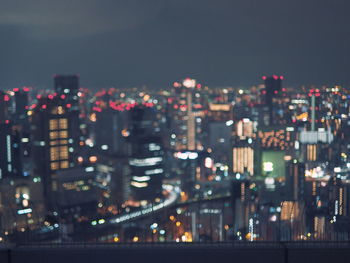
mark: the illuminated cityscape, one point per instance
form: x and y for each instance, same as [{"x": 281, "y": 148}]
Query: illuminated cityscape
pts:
[
  {"x": 174, "y": 131},
  {"x": 188, "y": 163}
]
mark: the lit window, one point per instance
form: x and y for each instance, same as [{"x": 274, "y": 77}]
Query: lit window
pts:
[
  {"x": 63, "y": 134},
  {"x": 64, "y": 164},
  {"x": 54, "y": 166},
  {"x": 54, "y": 153},
  {"x": 63, "y": 152},
  {"x": 53, "y": 135},
  {"x": 53, "y": 124},
  {"x": 63, "y": 142},
  {"x": 63, "y": 123}
]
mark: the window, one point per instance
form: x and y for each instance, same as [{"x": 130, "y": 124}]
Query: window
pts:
[
  {"x": 63, "y": 124},
  {"x": 53, "y": 124}
]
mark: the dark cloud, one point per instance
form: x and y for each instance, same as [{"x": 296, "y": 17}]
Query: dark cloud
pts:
[{"x": 220, "y": 42}]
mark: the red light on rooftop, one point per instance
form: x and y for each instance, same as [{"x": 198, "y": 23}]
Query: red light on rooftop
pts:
[
  {"x": 281, "y": 78},
  {"x": 63, "y": 96},
  {"x": 7, "y": 121},
  {"x": 50, "y": 96},
  {"x": 69, "y": 105},
  {"x": 38, "y": 97},
  {"x": 16, "y": 89},
  {"x": 6, "y": 98},
  {"x": 199, "y": 86},
  {"x": 275, "y": 77},
  {"x": 44, "y": 106},
  {"x": 263, "y": 77},
  {"x": 26, "y": 89}
]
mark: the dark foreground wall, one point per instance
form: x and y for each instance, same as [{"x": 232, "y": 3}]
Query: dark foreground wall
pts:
[{"x": 180, "y": 253}]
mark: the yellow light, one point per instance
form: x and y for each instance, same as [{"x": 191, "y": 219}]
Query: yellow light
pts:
[
  {"x": 125, "y": 133},
  {"x": 178, "y": 223},
  {"x": 146, "y": 97},
  {"x": 116, "y": 239},
  {"x": 93, "y": 117},
  {"x": 135, "y": 239},
  {"x": 172, "y": 218},
  {"x": 93, "y": 159}
]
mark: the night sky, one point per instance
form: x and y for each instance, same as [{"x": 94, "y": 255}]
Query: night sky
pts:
[{"x": 130, "y": 43}]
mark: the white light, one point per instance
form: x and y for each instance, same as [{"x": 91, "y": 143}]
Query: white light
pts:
[
  {"x": 337, "y": 169},
  {"x": 24, "y": 211},
  {"x": 89, "y": 169},
  {"x": 208, "y": 163},
  {"x": 154, "y": 171},
  {"x": 189, "y": 83},
  {"x": 25, "y": 139},
  {"x": 141, "y": 178},
  {"x": 146, "y": 161},
  {"x": 8, "y": 143},
  {"x": 153, "y": 147},
  {"x": 268, "y": 166},
  {"x": 139, "y": 185},
  {"x": 229, "y": 123},
  {"x": 296, "y": 145},
  {"x": 104, "y": 147},
  {"x": 269, "y": 181},
  {"x": 66, "y": 90},
  {"x": 186, "y": 155}
]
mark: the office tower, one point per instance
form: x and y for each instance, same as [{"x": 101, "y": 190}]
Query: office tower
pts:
[
  {"x": 53, "y": 143},
  {"x": 295, "y": 180},
  {"x": 21, "y": 104},
  {"x": 7, "y": 151},
  {"x": 111, "y": 139},
  {"x": 243, "y": 160},
  {"x": 4, "y": 100},
  {"x": 67, "y": 86},
  {"x": 272, "y": 91},
  {"x": 147, "y": 155},
  {"x": 188, "y": 114}
]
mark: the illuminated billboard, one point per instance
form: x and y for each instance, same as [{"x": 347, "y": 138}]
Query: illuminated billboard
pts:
[{"x": 273, "y": 164}]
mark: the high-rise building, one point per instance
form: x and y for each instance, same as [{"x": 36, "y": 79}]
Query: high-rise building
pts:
[
  {"x": 53, "y": 142},
  {"x": 4, "y": 100},
  {"x": 7, "y": 151},
  {"x": 67, "y": 86},
  {"x": 273, "y": 88},
  {"x": 147, "y": 154}
]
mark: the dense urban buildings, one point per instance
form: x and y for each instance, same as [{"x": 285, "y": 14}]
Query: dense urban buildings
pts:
[{"x": 186, "y": 163}]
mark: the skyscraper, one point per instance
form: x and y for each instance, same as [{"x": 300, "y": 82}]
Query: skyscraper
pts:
[
  {"x": 147, "y": 154},
  {"x": 53, "y": 143},
  {"x": 273, "y": 87},
  {"x": 68, "y": 86}
]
